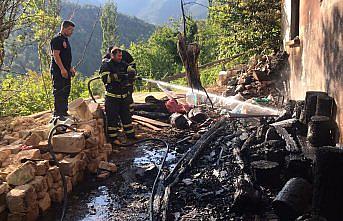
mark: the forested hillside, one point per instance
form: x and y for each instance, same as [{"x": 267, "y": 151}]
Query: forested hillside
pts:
[
  {"x": 155, "y": 11},
  {"x": 130, "y": 29},
  {"x": 244, "y": 27}
]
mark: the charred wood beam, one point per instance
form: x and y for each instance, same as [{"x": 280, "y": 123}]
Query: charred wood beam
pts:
[
  {"x": 328, "y": 182},
  {"x": 192, "y": 154},
  {"x": 266, "y": 173},
  {"x": 150, "y": 107},
  {"x": 310, "y": 105},
  {"x": 247, "y": 199},
  {"x": 294, "y": 199},
  {"x": 179, "y": 121},
  {"x": 184, "y": 164},
  {"x": 291, "y": 144},
  {"x": 325, "y": 106},
  {"x": 320, "y": 131},
  {"x": 153, "y": 115}
]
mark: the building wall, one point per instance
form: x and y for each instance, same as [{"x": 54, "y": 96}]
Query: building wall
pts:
[{"x": 317, "y": 63}]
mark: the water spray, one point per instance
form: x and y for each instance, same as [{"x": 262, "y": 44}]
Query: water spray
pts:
[{"x": 226, "y": 102}]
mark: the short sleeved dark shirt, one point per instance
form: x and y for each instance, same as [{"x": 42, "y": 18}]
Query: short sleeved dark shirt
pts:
[{"x": 61, "y": 43}]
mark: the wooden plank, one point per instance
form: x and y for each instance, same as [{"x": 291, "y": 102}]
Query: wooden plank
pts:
[
  {"x": 184, "y": 164},
  {"x": 148, "y": 125},
  {"x": 150, "y": 121}
]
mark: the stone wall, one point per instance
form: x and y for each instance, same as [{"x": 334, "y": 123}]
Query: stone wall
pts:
[{"x": 29, "y": 180}]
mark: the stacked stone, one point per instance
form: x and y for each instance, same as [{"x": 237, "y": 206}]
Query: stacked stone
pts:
[
  {"x": 3, "y": 206},
  {"x": 97, "y": 150},
  {"x": 22, "y": 199},
  {"x": 30, "y": 182},
  {"x": 41, "y": 185}
]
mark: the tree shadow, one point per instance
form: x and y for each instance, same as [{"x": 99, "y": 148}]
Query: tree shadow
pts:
[{"x": 332, "y": 25}]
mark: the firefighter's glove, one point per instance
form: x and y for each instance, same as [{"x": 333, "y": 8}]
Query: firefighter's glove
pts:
[
  {"x": 131, "y": 73},
  {"x": 130, "y": 69}
]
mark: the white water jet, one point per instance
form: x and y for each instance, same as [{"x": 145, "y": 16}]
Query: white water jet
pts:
[{"x": 231, "y": 102}]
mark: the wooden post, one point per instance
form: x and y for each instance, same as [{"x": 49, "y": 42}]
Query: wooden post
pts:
[
  {"x": 320, "y": 131},
  {"x": 325, "y": 106},
  {"x": 179, "y": 121},
  {"x": 311, "y": 105},
  {"x": 266, "y": 173},
  {"x": 189, "y": 54},
  {"x": 328, "y": 182},
  {"x": 294, "y": 199}
]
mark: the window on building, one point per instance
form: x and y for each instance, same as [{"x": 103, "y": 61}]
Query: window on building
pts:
[{"x": 295, "y": 11}]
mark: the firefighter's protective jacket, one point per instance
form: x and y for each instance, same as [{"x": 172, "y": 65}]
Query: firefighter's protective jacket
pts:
[{"x": 117, "y": 78}]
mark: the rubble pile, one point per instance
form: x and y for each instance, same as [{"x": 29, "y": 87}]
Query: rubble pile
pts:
[
  {"x": 30, "y": 180},
  {"x": 259, "y": 170},
  {"x": 257, "y": 79},
  {"x": 160, "y": 114}
]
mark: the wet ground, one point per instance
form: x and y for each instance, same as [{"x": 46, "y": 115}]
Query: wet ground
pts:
[{"x": 124, "y": 195}]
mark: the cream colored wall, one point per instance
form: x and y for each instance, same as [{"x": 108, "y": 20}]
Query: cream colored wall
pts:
[{"x": 317, "y": 64}]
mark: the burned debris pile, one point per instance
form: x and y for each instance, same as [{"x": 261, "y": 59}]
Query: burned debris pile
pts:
[
  {"x": 258, "y": 168},
  {"x": 236, "y": 161}
]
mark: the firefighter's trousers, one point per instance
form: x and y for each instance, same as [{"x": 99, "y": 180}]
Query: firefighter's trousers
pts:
[{"x": 118, "y": 116}]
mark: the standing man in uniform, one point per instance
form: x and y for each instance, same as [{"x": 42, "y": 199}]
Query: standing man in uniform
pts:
[
  {"x": 61, "y": 69},
  {"x": 115, "y": 74},
  {"x": 126, "y": 57}
]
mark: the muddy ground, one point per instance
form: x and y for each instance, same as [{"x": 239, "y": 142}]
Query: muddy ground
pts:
[
  {"x": 124, "y": 195},
  {"x": 205, "y": 192}
]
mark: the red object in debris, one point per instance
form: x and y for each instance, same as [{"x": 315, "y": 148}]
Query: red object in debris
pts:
[
  {"x": 174, "y": 107},
  {"x": 25, "y": 147}
]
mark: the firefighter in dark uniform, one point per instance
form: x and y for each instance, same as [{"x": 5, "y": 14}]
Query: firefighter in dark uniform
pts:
[
  {"x": 61, "y": 69},
  {"x": 115, "y": 74},
  {"x": 127, "y": 57}
]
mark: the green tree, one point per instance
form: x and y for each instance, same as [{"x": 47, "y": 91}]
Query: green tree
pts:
[
  {"x": 42, "y": 19},
  {"x": 25, "y": 94},
  {"x": 109, "y": 27},
  {"x": 9, "y": 16},
  {"x": 158, "y": 57},
  {"x": 246, "y": 24}
]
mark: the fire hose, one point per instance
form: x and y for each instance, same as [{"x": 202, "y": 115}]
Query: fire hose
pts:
[
  {"x": 53, "y": 155},
  {"x": 89, "y": 87},
  {"x": 153, "y": 191}
]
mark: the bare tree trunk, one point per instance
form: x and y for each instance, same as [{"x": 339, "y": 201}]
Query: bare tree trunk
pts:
[
  {"x": 189, "y": 54},
  {"x": 2, "y": 38},
  {"x": 2, "y": 50},
  {"x": 8, "y": 17}
]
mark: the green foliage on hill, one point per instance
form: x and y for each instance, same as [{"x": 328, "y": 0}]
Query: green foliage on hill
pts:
[
  {"x": 130, "y": 29},
  {"x": 109, "y": 25},
  {"x": 233, "y": 27},
  {"x": 25, "y": 94},
  {"x": 157, "y": 57},
  {"x": 242, "y": 25}
]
